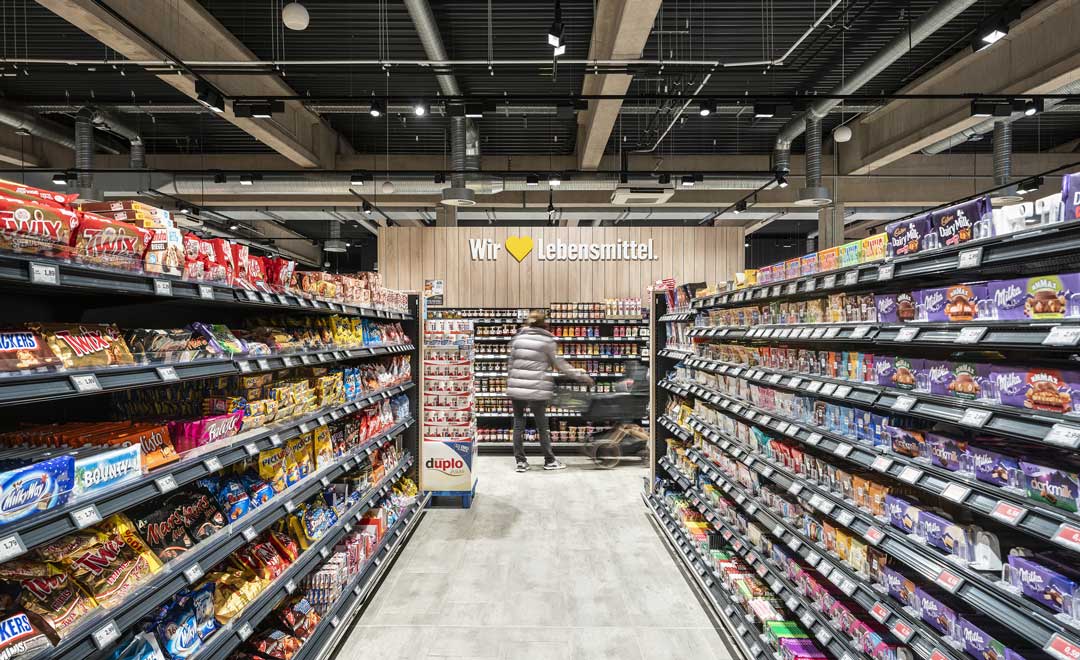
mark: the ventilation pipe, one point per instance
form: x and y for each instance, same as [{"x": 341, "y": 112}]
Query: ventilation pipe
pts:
[
  {"x": 1003, "y": 163},
  {"x": 927, "y": 25},
  {"x": 334, "y": 242},
  {"x": 464, "y": 136},
  {"x": 84, "y": 153},
  {"x": 108, "y": 121},
  {"x": 30, "y": 123},
  {"x": 814, "y": 194}
]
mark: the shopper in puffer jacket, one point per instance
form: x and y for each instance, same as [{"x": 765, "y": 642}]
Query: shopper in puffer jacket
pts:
[{"x": 530, "y": 385}]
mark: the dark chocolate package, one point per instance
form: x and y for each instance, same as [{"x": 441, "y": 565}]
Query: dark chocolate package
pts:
[
  {"x": 201, "y": 514},
  {"x": 163, "y": 528}
]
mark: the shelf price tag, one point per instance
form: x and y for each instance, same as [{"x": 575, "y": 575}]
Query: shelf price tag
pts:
[
  {"x": 290, "y": 506},
  {"x": 795, "y": 488},
  {"x": 842, "y": 391},
  {"x": 275, "y": 439},
  {"x": 971, "y": 335},
  {"x": 832, "y": 333},
  {"x": 44, "y": 274},
  {"x": 1061, "y": 648},
  {"x": 251, "y": 296},
  {"x": 244, "y": 631},
  {"x": 813, "y": 439},
  {"x": 910, "y": 474},
  {"x": 827, "y": 389},
  {"x": 813, "y": 559},
  {"x": 817, "y": 333},
  {"x": 810, "y": 284},
  {"x": 885, "y": 272},
  {"x": 213, "y": 464},
  {"x": 85, "y": 383},
  {"x": 976, "y": 417},
  {"x": 1067, "y": 535},
  {"x": 290, "y": 587},
  {"x": 845, "y": 518},
  {"x": 162, "y": 288},
  {"x": 790, "y": 288},
  {"x": 1062, "y": 335},
  {"x": 882, "y": 463},
  {"x": 106, "y": 635},
  {"x": 1064, "y": 435},
  {"x": 829, "y": 281},
  {"x": 193, "y": 573},
  {"x": 907, "y": 333},
  {"x": 860, "y": 331},
  {"x": 1008, "y": 513},
  {"x": 874, "y": 535},
  {"x": 167, "y": 374},
  {"x": 842, "y": 449},
  {"x": 806, "y": 619},
  {"x": 903, "y": 631},
  {"x": 244, "y": 366},
  {"x": 955, "y": 492},
  {"x": 906, "y": 403},
  {"x": 206, "y": 292},
  {"x": 166, "y": 483},
  {"x": 250, "y": 534},
  {"x": 948, "y": 581},
  {"x": 813, "y": 386},
  {"x": 851, "y": 277},
  {"x": 263, "y": 363},
  {"x": 970, "y": 258},
  {"x": 86, "y": 516},
  {"x": 880, "y": 613},
  {"x": 795, "y": 382}
]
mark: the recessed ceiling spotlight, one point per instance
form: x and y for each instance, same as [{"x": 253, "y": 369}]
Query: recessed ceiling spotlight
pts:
[
  {"x": 554, "y": 180},
  {"x": 764, "y": 110},
  {"x": 356, "y": 179},
  {"x": 420, "y": 109},
  {"x": 707, "y": 108},
  {"x": 377, "y": 109}
]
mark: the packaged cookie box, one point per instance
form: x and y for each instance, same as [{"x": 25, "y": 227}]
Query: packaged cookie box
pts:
[
  {"x": 793, "y": 268},
  {"x": 1037, "y": 388},
  {"x": 809, "y": 264},
  {"x": 1042, "y": 297},
  {"x": 906, "y": 237},
  {"x": 30, "y": 488}
]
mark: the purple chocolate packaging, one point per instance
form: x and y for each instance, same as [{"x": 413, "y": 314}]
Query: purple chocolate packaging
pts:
[
  {"x": 906, "y": 372},
  {"x": 907, "y": 443},
  {"x": 959, "y": 379},
  {"x": 993, "y": 467},
  {"x": 1070, "y": 196},
  {"x": 933, "y": 303},
  {"x": 940, "y": 374},
  {"x": 884, "y": 370},
  {"x": 946, "y": 452},
  {"x": 1041, "y": 584},
  {"x": 1037, "y": 388},
  {"x": 982, "y": 646},
  {"x": 906, "y": 236},
  {"x": 1042, "y": 297},
  {"x": 887, "y": 310},
  {"x": 941, "y": 532},
  {"x": 902, "y": 514},
  {"x": 936, "y": 613},
  {"x": 956, "y": 224},
  {"x": 900, "y": 588},
  {"x": 1055, "y": 487}
]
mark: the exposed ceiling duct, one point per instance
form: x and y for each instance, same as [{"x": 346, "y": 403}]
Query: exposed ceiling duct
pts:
[
  {"x": 927, "y": 25},
  {"x": 108, "y": 121},
  {"x": 29, "y": 123},
  {"x": 814, "y": 194},
  {"x": 464, "y": 136},
  {"x": 334, "y": 242},
  {"x": 1003, "y": 163},
  {"x": 84, "y": 153}
]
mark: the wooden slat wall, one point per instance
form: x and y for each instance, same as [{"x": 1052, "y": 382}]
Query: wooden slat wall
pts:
[{"x": 409, "y": 255}]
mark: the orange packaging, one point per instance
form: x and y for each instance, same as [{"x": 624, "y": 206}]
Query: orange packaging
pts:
[
  {"x": 793, "y": 268},
  {"x": 828, "y": 259},
  {"x": 157, "y": 446},
  {"x": 874, "y": 247}
]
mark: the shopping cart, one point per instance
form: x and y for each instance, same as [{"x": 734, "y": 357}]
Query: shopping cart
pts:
[{"x": 620, "y": 413}]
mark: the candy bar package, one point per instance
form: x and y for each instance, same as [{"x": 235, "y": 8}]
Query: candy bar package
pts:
[
  {"x": 962, "y": 302},
  {"x": 1045, "y": 586},
  {"x": 200, "y": 511},
  {"x": 947, "y": 452},
  {"x": 902, "y": 514},
  {"x": 942, "y": 533},
  {"x": 119, "y": 524},
  {"x": 907, "y": 372},
  {"x": 202, "y": 602},
  {"x": 1042, "y": 297},
  {"x": 24, "y": 635},
  {"x": 959, "y": 379},
  {"x": 1070, "y": 196},
  {"x": 102, "y": 242},
  {"x": 50, "y": 594},
  {"x": 851, "y": 254},
  {"x": 85, "y": 345},
  {"x": 906, "y": 237},
  {"x": 262, "y": 559},
  {"x": 25, "y": 350},
  {"x": 29, "y": 227},
  {"x": 194, "y": 266},
  {"x": 177, "y": 630},
  {"x": 220, "y": 340},
  {"x": 108, "y": 570},
  {"x": 143, "y": 646},
  {"x": 191, "y": 434},
  {"x": 24, "y": 193},
  {"x": 163, "y": 528},
  {"x": 311, "y": 520},
  {"x": 993, "y": 467},
  {"x": 907, "y": 442},
  {"x": 957, "y": 224},
  {"x": 931, "y": 304},
  {"x": 1036, "y": 388},
  {"x": 165, "y": 345},
  {"x": 165, "y": 255},
  {"x": 259, "y": 491},
  {"x": 299, "y": 617},
  {"x": 981, "y": 646},
  {"x": 100, "y": 468},
  {"x": 275, "y": 644},
  {"x": 933, "y": 611},
  {"x": 29, "y": 489},
  {"x": 231, "y": 497},
  {"x": 272, "y": 467},
  {"x": 1056, "y": 487},
  {"x": 887, "y": 310},
  {"x": 874, "y": 248}
]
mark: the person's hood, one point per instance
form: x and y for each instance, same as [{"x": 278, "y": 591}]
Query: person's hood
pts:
[{"x": 533, "y": 330}]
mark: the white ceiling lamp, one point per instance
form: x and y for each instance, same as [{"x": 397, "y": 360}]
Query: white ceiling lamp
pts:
[
  {"x": 841, "y": 134},
  {"x": 388, "y": 187},
  {"x": 295, "y": 16}
]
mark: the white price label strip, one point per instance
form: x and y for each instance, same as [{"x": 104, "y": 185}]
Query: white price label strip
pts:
[
  {"x": 882, "y": 464},
  {"x": 85, "y": 383},
  {"x": 885, "y": 272},
  {"x": 166, "y": 484},
  {"x": 162, "y": 288},
  {"x": 970, "y": 258},
  {"x": 976, "y": 417},
  {"x": 167, "y": 374},
  {"x": 11, "y": 546},
  {"x": 1064, "y": 435},
  {"x": 193, "y": 573},
  {"x": 106, "y": 635},
  {"x": 1062, "y": 335},
  {"x": 904, "y": 403},
  {"x": 86, "y": 516},
  {"x": 970, "y": 335},
  {"x": 910, "y": 474},
  {"x": 206, "y": 292},
  {"x": 44, "y": 274},
  {"x": 955, "y": 492},
  {"x": 907, "y": 333},
  {"x": 250, "y": 534}
]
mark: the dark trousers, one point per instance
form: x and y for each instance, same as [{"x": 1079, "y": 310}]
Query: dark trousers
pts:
[{"x": 537, "y": 408}]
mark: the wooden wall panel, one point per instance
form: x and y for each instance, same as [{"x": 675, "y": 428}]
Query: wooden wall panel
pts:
[{"x": 409, "y": 255}]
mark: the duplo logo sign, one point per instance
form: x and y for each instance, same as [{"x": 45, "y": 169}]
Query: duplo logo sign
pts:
[
  {"x": 449, "y": 466},
  {"x": 520, "y": 247}
]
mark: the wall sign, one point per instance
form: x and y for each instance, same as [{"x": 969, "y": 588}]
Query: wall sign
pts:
[
  {"x": 520, "y": 247},
  {"x": 434, "y": 292}
]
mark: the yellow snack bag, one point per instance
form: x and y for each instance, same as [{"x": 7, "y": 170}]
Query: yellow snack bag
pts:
[
  {"x": 322, "y": 447},
  {"x": 272, "y": 468}
]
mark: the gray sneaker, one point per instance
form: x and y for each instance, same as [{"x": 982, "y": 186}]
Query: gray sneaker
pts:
[
  {"x": 554, "y": 465},
  {"x": 522, "y": 466}
]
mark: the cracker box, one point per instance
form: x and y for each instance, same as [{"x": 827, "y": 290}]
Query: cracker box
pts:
[
  {"x": 1042, "y": 297},
  {"x": 809, "y": 264},
  {"x": 956, "y": 224},
  {"x": 1055, "y": 487},
  {"x": 906, "y": 236},
  {"x": 828, "y": 259},
  {"x": 874, "y": 248},
  {"x": 851, "y": 254}
]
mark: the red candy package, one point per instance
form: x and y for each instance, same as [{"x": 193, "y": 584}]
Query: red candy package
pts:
[
  {"x": 194, "y": 268},
  {"x": 223, "y": 255},
  {"x": 299, "y": 617},
  {"x": 263, "y": 559},
  {"x": 240, "y": 262},
  {"x": 286, "y": 546},
  {"x": 109, "y": 243},
  {"x": 34, "y": 228},
  {"x": 27, "y": 193},
  {"x": 257, "y": 273}
]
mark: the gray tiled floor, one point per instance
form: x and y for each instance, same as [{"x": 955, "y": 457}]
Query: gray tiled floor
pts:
[{"x": 546, "y": 565}]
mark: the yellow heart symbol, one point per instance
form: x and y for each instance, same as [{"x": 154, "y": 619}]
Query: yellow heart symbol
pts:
[{"x": 519, "y": 247}]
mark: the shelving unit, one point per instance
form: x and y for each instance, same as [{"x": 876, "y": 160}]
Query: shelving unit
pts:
[{"x": 66, "y": 291}]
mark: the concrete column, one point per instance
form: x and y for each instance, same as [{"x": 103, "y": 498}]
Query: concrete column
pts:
[
  {"x": 445, "y": 216},
  {"x": 830, "y": 226}
]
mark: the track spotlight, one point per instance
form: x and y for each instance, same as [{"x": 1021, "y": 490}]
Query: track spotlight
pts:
[
  {"x": 234, "y": 226},
  {"x": 1032, "y": 107},
  {"x": 219, "y": 177},
  {"x": 63, "y": 178},
  {"x": 531, "y": 180},
  {"x": 559, "y": 50},
  {"x": 554, "y": 180},
  {"x": 420, "y": 109},
  {"x": 258, "y": 109},
  {"x": 209, "y": 97},
  {"x": 740, "y": 206},
  {"x": 1029, "y": 186},
  {"x": 474, "y": 110},
  {"x": 551, "y": 205},
  {"x": 377, "y": 108},
  {"x": 367, "y": 207},
  {"x": 249, "y": 179},
  {"x": 356, "y": 179},
  {"x": 707, "y": 108},
  {"x": 555, "y": 35},
  {"x": 764, "y": 110},
  {"x": 664, "y": 179},
  {"x": 440, "y": 177},
  {"x": 781, "y": 181}
]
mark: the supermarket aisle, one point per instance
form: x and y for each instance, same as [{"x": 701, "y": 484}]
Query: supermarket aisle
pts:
[{"x": 547, "y": 565}]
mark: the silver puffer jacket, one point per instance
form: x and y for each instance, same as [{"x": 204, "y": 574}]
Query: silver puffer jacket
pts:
[{"x": 532, "y": 357}]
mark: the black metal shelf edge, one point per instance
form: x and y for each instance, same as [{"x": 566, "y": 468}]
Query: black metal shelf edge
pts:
[
  {"x": 953, "y": 264},
  {"x": 738, "y": 624},
  {"x": 82, "y": 643},
  {"x": 227, "y": 638},
  {"x": 21, "y": 389},
  {"x": 55, "y": 523},
  {"x": 47, "y": 275},
  {"x": 328, "y": 633}
]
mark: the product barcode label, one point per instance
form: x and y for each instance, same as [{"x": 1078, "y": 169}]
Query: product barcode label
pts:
[
  {"x": 44, "y": 274},
  {"x": 264, "y": 364},
  {"x": 251, "y": 449},
  {"x": 874, "y": 535},
  {"x": 1061, "y": 648},
  {"x": 948, "y": 581},
  {"x": 1068, "y": 536},
  {"x": 842, "y": 449},
  {"x": 290, "y": 506},
  {"x": 245, "y": 367},
  {"x": 860, "y": 331}
]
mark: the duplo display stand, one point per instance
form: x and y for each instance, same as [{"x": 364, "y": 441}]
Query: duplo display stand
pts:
[
  {"x": 36, "y": 289},
  {"x": 974, "y": 587}
]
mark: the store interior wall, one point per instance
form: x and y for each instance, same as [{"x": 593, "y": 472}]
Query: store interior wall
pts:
[{"x": 408, "y": 256}]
